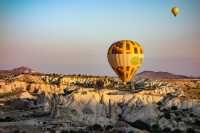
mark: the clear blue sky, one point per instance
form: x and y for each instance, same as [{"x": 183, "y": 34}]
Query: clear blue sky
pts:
[{"x": 72, "y": 36}]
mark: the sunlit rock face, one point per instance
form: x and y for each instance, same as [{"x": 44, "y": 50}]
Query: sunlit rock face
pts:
[{"x": 59, "y": 102}]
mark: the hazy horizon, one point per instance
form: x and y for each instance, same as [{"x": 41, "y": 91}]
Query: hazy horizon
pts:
[{"x": 73, "y": 36}]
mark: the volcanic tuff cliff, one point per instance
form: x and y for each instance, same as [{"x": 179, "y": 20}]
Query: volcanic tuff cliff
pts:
[{"x": 59, "y": 102}]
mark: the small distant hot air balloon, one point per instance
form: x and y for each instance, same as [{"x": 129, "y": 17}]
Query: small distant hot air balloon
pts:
[
  {"x": 175, "y": 11},
  {"x": 125, "y": 57}
]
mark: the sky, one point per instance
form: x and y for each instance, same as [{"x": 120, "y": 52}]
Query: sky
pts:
[{"x": 73, "y": 36}]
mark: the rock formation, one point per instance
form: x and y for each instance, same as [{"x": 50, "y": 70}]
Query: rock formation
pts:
[{"x": 51, "y": 102}]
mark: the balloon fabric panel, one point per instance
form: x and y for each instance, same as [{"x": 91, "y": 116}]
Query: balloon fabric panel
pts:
[{"x": 125, "y": 57}]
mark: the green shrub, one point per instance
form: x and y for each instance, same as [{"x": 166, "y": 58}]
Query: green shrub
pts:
[
  {"x": 174, "y": 108},
  {"x": 7, "y": 119}
]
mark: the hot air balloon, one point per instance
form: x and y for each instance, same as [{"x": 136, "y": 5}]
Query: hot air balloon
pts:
[
  {"x": 125, "y": 58},
  {"x": 175, "y": 11}
]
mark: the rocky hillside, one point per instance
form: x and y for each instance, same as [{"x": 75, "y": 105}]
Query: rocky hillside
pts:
[
  {"x": 160, "y": 75},
  {"x": 16, "y": 71},
  {"x": 59, "y": 103}
]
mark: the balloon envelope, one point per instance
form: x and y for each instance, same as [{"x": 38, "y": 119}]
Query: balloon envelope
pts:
[
  {"x": 175, "y": 11},
  {"x": 125, "y": 57}
]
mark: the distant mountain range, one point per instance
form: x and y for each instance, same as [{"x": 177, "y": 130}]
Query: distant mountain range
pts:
[
  {"x": 16, "y": 71},
  {"x": 143, "y": 75},
  {"x": 160, "y": 75}
]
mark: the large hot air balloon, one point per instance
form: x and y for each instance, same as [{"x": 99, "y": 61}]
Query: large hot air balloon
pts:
[
  {"x": 175, "y": 11},
  {"x": 125, "y": 57}
]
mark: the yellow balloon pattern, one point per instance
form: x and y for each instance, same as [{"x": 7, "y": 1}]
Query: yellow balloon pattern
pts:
[
  {"x": 175, "y": 11},
  {"x": 125, "y": 57}
]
